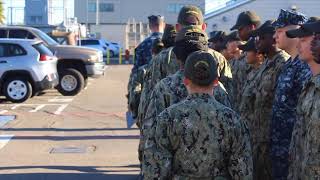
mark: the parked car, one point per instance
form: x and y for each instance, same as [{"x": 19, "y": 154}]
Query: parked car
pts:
[
  {"x": 113, "y": 47},
  {"x": 97, "y": 44},
  {"x": 26, "y": 68},
  {"x": 75, "y": 64},
  {"x": 102, "y": 45}
]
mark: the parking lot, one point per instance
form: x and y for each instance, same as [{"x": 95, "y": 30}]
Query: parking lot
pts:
[{"x": 51, "y": 136}]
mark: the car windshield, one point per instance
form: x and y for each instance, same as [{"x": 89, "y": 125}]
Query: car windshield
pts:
[
  {"x": 47, "y": 39},
  {"x": 89, "y": 42}
]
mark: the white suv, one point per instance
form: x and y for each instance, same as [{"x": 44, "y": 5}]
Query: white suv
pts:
[{"x": 26, "y": 68}]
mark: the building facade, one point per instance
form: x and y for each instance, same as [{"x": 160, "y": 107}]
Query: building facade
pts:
[
  {"x": 125, "y": 21},
  {"x": 224, "y": 18}
]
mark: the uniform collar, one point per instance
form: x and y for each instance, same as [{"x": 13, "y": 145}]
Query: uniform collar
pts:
[{"x": 199, "y": 95}]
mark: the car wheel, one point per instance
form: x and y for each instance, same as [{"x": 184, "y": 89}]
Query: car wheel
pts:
[
  {"x": 71, "y": 82},
  {"x": 17, "y": 90}
]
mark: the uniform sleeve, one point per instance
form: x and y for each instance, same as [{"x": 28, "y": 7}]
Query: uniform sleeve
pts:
[
  {"x": 240, "y": 162},
  {"x": 158, "y": 153},
  {"x": 137, "y": 57}
]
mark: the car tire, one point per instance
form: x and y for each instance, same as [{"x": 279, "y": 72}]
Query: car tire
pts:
[
  {"x": 71, "y": 82},
  {"x": 17, "y": 89}
]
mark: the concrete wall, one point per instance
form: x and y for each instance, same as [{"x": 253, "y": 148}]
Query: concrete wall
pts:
[
  {"x": 112, "y": 25},
  {"x": 36, "y": 9},
  {"x": 266, "y": 9},
  {"x": 114, "y": 33},
  {"x": 137, "y": 9}
]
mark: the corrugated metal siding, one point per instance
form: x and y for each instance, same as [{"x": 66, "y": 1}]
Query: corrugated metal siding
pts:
[{"x": 266, "y": 9}]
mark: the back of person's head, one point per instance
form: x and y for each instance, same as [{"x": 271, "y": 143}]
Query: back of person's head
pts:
[
  {"x": 169, "y": 35},
  {"x": 155, "y": 20},
  {"x": 201, "y": 68},
  {"x": 188, "y": 40}
]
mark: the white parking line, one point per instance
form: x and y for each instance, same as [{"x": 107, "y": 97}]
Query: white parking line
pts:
[
  {"x": 4, "y": 139},
  {"x": 37, "y": 108},
  {"x": 3, "y": 111},
  {"x": 60, "y": 109},
  {"x": 15, "y": 107},
  {"x": 60, "y": 100}
]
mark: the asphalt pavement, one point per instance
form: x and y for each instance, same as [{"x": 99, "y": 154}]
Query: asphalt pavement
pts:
[{"x": 52, "y": 137}]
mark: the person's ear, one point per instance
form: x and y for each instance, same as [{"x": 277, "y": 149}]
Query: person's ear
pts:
[
  {"x": 204, "y": 26},
  {"x": 186, "y": 81},
  {"x": 216, "y": 82}
]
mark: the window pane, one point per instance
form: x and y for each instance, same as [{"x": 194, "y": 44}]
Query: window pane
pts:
[
  {"x": 89, "y": 42},
  {"x": 14, "y": 50},
  {"x": 106, "y": 7},
  {"x": 20, "y": 34},
  {"x": 3, "y": 33},
  {"x": 2, "y": 50},
  {"x": 42, "y": 49},
  {"x": 92, "y": 7}
]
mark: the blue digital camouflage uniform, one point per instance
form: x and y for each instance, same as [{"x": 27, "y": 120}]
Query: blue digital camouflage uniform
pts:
[
  {"x": 143, "y": 53},
  {"x": 293, "y": 76}
]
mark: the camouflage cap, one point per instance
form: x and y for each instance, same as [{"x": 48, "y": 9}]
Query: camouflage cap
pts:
[
  {"x": 249, "y": 46},
  {"x": 190, "y": 15},
  {"x": 201, "y": 68},
  {"x": 217, "y": 36},
  {"x": 233, "y": 36},
  {"x": 169, "y": 32},
  {"x": 307, "y": 29},
  {"x": 265, "y": 28},
  {"x": 192, "y": 33},
  {"x": 289, "y": 17},
  {"x": 246, "y": 18}
]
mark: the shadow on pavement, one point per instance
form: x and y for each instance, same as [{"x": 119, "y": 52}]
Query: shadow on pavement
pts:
[
  {"x": 67, "y": 176},
  {"x": 68, "y": 130},
  {"x": 82, "y": 169},
  {"x": 73, "y": 138}
]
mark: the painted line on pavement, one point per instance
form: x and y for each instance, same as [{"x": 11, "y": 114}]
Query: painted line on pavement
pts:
[
  {"x": 3, "y": 111},
  {"x": 60, "y": 100},
  {"x": 60, "y": 109},
  {"x": 37, "y": 108},
  {"x": 4, "y": 139},
  {"x": 5, "y": 119}
]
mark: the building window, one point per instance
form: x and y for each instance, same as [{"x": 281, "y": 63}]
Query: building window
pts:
[
  {"x": 92, "y": 7},
  {"x": 174, "y": 8},
  {"x": 106, "y": 7},
  {"x": 36, "y": 19},
  {"x": 103, "y": 7}
]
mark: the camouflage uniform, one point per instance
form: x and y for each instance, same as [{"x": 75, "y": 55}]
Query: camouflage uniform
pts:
[
  {"x": 199, "y": 138},
  {"x": 134, "y": 89},
  {"x": 143, "y": 53},
  {"x": 246, "y": 107},
  {"x": 239, "y": 75},
  {"x": 289, "y": 86},
  {"x": 224, "y": 70},
  {"x": 259, "y": 126},
  {"x": 305, "y": 141},
  {"x": 167, "y": 92},
  {"x": 165, "y": 65}
]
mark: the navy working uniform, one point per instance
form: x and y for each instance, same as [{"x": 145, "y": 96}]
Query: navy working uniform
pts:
[{"x": 290, "y": 82}]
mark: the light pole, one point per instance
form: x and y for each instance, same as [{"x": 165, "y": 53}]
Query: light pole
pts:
[{"x": 97, "y": 13}]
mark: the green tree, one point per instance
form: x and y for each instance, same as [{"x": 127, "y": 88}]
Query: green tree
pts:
[{"x": 1, "y": 13}]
